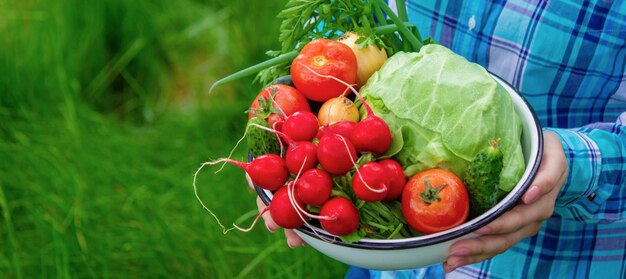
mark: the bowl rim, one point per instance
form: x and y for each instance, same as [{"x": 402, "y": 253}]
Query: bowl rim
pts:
[{"x": 425, "y": 240}]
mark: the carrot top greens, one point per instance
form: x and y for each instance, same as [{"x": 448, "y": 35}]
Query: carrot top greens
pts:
[{"x": 306, "y": 20}]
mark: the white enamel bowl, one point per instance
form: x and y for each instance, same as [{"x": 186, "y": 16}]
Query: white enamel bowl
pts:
[{"x": 416, "y": 252}]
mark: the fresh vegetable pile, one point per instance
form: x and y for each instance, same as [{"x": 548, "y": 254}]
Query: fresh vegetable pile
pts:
[{"x": 367, "y": 131}]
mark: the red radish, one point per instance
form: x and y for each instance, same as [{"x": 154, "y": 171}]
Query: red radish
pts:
[
  {"x": 336, "y": 154},
  {"x": 343, "y": 128},
  {"x": 300, "y": 154},
  {"x": 283, "y": 211},
  {"x": 344, "y": 216},
  {"x": 320, "y": 133},
  {"x": 370, "y": 183},
  {"x": 371, "y": 134},
  {"x": 266, "y": 171},
  {"x": 301, "y": 126},
  {"x": 337, "y": 216},
  {"x": 397, "y": 180},
  {"x": 285, "y": 208},
  {"x": 314, "y": 187},
  {"x": 303, "y": 153}
]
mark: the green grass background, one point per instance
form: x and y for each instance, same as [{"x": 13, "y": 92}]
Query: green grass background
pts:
[{"x": 105, "y": 117}]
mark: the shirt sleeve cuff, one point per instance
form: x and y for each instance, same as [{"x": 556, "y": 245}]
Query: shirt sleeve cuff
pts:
[{"x": 580, "y": 197}]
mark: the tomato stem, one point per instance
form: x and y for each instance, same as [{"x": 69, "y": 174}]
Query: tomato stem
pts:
[
  {"x": 431, "y": 194},
  {"x": 319, "y": 61}
]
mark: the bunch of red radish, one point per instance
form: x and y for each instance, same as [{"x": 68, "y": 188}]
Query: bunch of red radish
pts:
[{"x": 301, "y": 177}]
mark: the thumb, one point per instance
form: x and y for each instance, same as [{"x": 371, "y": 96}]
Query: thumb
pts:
[
  {"x": 552, "y": 171},
  {"x": 249, "y": 180}
]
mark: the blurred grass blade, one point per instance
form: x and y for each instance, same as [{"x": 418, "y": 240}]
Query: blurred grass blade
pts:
[
  {"x": 113, "y": 69},
  {"x": 245, "y": 272},
  {"x": 10, "y": 230},
  {"x": 208, "y": 21}
]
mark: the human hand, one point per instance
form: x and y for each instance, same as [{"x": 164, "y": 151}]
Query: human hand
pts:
[{"x": 523, "y": 220}]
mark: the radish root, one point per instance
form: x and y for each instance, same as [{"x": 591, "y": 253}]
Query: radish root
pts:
[
  {"x": 277, "y": 106},
  {"x": 292, "y": 199},
  {"x": 234, "y": 148},
  {"x": 195, "y": 191},
  {"x": 290, "y": 194},
  {"x": 282, "y": 147},
  {"x": 357, "y": 170},
  {"x": 254, "y": 222}
]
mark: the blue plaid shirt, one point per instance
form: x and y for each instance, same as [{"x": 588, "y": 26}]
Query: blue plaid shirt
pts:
[{"x": 568, "y": 59}]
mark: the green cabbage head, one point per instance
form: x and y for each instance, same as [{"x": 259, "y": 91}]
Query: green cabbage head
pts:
[{"x": 442, "y": 110}]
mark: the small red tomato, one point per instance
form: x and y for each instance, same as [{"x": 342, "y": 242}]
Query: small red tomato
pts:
[
  {"x": 435, "y": 200},
  {"x": 286, "y": 99},
  {"x": 328, "y": 58}
]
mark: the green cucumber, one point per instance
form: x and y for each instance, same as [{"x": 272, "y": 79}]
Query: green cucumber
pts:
[
  {"x": 260, "y": 141},
  {"x": 482, "y": 179}
]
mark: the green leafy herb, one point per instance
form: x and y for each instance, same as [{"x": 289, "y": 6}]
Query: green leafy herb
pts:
[
  {"x": 306, "y": 20},
  {"x": 378, "y": 220},
  {"x": 383, "y": 220}
]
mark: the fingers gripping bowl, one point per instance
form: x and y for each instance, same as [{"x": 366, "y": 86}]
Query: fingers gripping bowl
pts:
[{"x": 415, "y": 252}]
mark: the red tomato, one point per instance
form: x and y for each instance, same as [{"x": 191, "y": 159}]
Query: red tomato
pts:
[
  {"x": 435, "y": 200},
  {"x": 286, "y": 99},
  {"x": 325, "y": 57}
]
